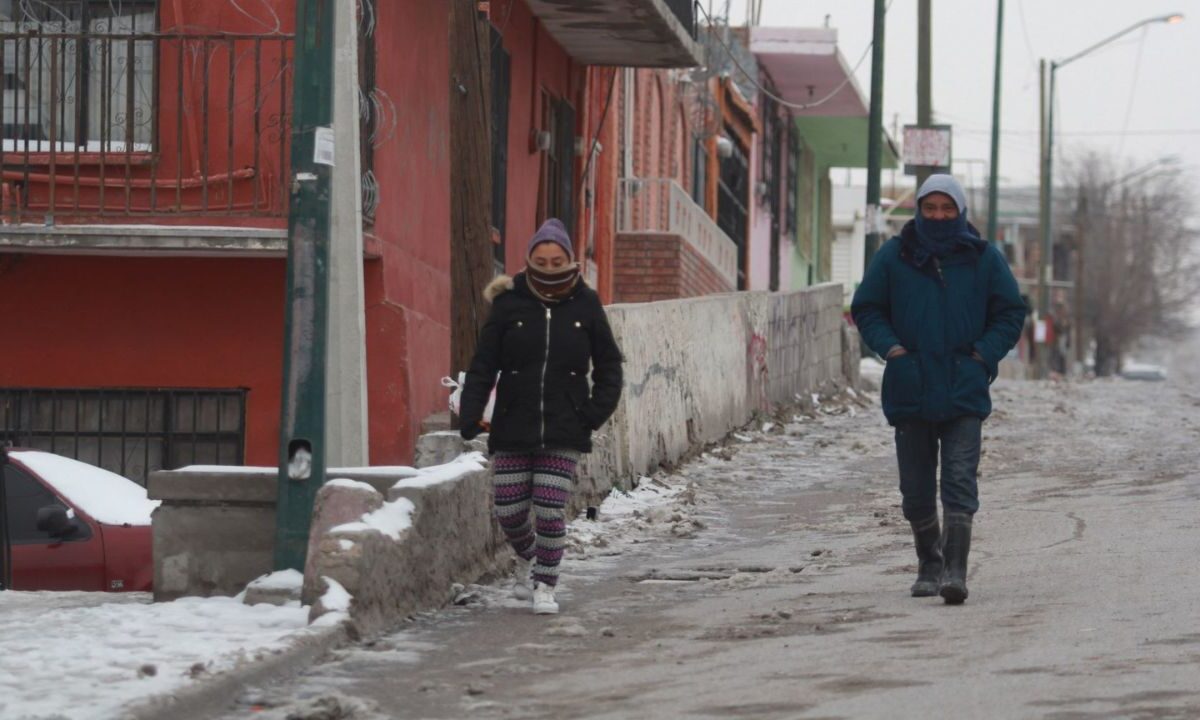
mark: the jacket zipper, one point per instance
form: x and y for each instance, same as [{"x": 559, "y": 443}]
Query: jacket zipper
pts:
[
  {"x": 946, "y": 329},
  {"x": 545, "y": 365}
]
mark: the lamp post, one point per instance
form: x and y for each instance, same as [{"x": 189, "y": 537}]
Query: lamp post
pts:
[{"x": 1046, "y": 214}]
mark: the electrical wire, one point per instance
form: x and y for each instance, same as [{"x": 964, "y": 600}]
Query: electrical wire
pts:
[
  {"x": 785, "y": 103},
  {"x": 1137, "y": 71},
  {"x": 1033, "y": 64}
]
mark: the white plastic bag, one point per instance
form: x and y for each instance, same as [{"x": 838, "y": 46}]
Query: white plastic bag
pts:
[{"x": 456, "y": 396}]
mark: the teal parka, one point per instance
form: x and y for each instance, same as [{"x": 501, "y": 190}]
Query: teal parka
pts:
[{"x": 940, "y": 312}]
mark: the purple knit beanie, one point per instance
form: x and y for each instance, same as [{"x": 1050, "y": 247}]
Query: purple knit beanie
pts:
[{"x": 553, "y": 231}]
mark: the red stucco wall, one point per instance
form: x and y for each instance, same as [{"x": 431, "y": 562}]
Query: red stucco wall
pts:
[
  {"x": 85, "y": 322},
  {"x": 537, "y": 62},
  {"x": 408, "y": 288}
]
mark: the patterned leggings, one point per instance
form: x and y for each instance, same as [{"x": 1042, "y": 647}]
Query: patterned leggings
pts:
[{"x": 542, "y": 479}]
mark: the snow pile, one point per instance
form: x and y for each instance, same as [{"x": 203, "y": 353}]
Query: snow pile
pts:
[
  {"x": 85, "y": 655},
  {"x": 437, "y": 474},
  {"x": 662, "y": 505},
  {"x": 391, "y": 520},
  {"x": 107, "y": 497},
  {"x": 336, "y": 597},
  {"x": 280, "y": 580}
]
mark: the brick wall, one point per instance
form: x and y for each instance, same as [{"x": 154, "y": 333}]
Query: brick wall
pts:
[{"x": 661, "y": 266}]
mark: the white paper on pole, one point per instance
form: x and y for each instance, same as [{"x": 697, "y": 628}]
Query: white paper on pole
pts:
[{"x": 1039, "y": 331}]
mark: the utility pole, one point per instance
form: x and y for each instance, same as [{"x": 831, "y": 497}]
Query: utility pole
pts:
[
  {"x": 994, "y": 166},
  {"x": 1081, "y": 232},
  {"x": 924, "y": 76},
  {"x": 470, "y": 178},
  {"x": 302, "y": 422},
  {"x": 1043, "y": 298},
  {"x": 875, "y": 138}
]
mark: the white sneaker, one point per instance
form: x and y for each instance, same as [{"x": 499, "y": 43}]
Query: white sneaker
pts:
[
  {"x": 523, "y": 579},
  {"x": 543, "y": 600}
]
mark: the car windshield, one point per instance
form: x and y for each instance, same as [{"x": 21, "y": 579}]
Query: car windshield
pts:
[{"x": 107, "y": 497}]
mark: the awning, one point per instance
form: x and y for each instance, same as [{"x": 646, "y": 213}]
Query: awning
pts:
[
  {"x": 807, "y": 68},
  {"x": 842, "y": 142},
  {"x": 628, "y": 33}
]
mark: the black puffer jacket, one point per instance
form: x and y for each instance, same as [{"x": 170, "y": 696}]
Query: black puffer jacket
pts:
[{"x": 542, "y": 353}]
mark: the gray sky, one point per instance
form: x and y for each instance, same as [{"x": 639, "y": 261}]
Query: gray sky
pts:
[{"x": 1145, "y": 82}]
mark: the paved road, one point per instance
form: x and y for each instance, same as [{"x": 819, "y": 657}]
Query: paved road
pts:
[{"x": 791, "y": 600}]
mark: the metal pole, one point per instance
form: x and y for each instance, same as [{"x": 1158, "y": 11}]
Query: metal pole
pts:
[
  {"x": 302, "y": 422},
  {"x": 5, "y": 541},
  {"x": 1043, "y": 212},
  {"x": 994, "y": 166},
  {"x": 875, "y": 137},
  {"x": 924, "y": 75}
]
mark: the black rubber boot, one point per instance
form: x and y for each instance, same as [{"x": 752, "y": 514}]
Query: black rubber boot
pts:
[
  {"x": 956, "y": 545},
  {"x": 928, "y": 540}
]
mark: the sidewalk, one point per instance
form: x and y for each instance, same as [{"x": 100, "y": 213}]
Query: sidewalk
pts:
[{"x": 789, "y": 598}]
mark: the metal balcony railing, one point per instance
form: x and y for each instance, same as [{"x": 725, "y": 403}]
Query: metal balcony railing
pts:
[
  {"x": 661, "y": 205},
  {"x": 123, "y": 123}
]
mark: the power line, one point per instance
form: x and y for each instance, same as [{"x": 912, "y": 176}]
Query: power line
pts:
[
  {"x": 1137, "y": 71},
  {"x": 754, "y": 80},
  {"x": 1093, "y": 133}
]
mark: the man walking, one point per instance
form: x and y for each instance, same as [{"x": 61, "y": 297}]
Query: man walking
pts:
[{"x": 941, "y": 305}]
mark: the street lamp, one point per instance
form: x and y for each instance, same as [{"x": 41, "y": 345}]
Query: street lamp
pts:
[{"x": 1046, "y": 214}]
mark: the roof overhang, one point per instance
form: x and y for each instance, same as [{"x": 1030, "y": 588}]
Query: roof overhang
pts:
[
  {"x": 628, "y": 33},
  {"x": 807, "y": 68}
]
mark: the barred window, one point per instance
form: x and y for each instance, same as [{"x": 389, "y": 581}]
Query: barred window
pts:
[
  {"x": 73, "y": 70},
  {"x": 129, "y": 431}
]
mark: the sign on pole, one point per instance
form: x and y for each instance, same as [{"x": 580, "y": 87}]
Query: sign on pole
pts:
[{"x": 927, "y": 148}]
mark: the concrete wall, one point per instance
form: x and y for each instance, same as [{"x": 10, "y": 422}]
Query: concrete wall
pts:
[{"x": 697, "y": 368}]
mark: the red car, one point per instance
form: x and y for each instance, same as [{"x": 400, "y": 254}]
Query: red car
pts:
[{"x": 74, "y": 526}]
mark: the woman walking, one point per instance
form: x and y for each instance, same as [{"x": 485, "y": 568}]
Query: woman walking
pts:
[{"x": 545, "y": 328}]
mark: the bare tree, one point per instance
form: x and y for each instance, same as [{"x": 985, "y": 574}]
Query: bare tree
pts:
[{"x": 1141, "y": 263}]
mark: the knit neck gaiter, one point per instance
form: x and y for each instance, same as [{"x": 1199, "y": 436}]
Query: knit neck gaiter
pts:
[{"x": 552, "y": 285}]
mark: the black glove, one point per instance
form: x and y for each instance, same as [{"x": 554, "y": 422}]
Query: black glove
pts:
[{"x": 470, "y": 431}]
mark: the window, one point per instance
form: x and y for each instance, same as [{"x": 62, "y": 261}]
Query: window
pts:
[
  {"x": 86, "y": 85},
  {"x": 25, "y": 496},
  {"x": 699, "y": 172},
  {"x": 131, "y": 432},
  {"x": 733, "y": 202},
  {"x": 558, "y": 166}
]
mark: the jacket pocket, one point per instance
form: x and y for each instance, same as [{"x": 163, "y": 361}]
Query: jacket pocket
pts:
[
  {"x": 902, "y": 386},
  {"x": 577, "y": 395},
  {"x": 970, "y": 391}
]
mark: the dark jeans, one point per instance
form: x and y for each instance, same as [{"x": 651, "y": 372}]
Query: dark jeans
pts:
[{"x": 917, "y": 444}]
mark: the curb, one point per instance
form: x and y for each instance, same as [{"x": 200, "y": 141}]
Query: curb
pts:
[{"x": 209, "y": 697}]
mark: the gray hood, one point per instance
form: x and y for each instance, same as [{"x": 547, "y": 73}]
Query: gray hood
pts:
[{"x": 947, "y": 185}]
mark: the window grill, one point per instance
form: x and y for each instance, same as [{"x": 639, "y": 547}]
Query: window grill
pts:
[{"x": 129, "y": 431}]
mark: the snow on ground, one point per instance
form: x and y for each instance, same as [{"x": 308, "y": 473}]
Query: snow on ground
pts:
[{"x": 85, "y": 655}]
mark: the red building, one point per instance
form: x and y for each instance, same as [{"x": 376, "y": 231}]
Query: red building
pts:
[{"x": 144, "y": 194}]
